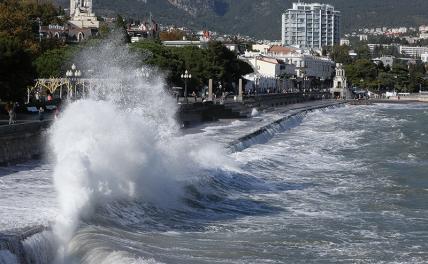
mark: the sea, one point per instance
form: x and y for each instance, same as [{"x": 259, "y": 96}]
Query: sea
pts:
[{"x": 345, "y": 184}]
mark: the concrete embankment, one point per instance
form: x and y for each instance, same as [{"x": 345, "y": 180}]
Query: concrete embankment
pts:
[
  {"x": 15, "y": 247},
  {"x": 191, "y": 114},
  {"x": 24, "y": 141},
  {"x": 290, "y": 117},
  {"x": 410, "y": 98}
]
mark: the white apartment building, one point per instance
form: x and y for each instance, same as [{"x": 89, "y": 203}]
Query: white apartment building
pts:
[
  {"x": 311, "y": 26},
  {"x": 414, "y": 52}
]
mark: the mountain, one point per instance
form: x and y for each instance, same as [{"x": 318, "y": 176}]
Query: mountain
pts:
[{"x": 262, "y": 18}]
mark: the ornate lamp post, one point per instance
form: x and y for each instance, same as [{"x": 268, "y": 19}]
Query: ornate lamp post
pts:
[
  {"x": 186, "y": 76},
  {"x": 73, "y": 74}
]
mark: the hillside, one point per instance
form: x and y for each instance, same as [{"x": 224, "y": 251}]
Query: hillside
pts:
[{"x": 262, "y": 18}]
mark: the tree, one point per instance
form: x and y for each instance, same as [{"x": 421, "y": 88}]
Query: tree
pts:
[
  {"x": 53, "y": 63},
  {"x": 361, "y": 72},
  {"x": 16, "y": 71},
  {"x": 340, "y": 54},
  {"x": 363, "y": 52},
  {"x": 215, "y": 62},
  {"x": 19, "y": 19}
]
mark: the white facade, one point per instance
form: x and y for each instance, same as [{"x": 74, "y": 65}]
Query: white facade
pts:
[
  {"x": 386, "y": 60},
  {"x": 414, "y": 52},
  {"x": 424, "y": 57},
  {"x": 311, "y": 26},
  {"x": 271, "y": 67},
  {"x": 340, "y": 83},
  {"x": 344, "y": 42},
  {"x": 309, "y": 65},
  {"x": 423, "y": 29},
  {"x": 262, "y": 48},
  {"x": 81, "y": 14}
]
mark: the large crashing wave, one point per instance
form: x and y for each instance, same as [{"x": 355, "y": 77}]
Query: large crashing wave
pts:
[{"x": 121, "y": 142}]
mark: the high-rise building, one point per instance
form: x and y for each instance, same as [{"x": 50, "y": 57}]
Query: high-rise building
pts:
[{"x": 311, "y": 26}]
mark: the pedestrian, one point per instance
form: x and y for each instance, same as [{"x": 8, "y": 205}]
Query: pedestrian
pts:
[
  {"x": 41, "y": 113},
  {"x": 11, "y": 116},
  {"x": 194, "y": 95}
]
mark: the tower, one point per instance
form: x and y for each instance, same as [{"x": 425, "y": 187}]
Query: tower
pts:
[
  {"x": 81, "y": 14},
  {"x": 340, "y": 82},
  {"x": 78, "y": 7}
]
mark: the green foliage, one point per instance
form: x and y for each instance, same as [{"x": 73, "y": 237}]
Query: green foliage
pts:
[
  {"x": 19, "y": 19},
  {"x": 339, "y": 54},
  {"x": 16, "y": 71},
  {"x": 54, "y": 63},
  {"x": 361, "y": 72},
  {"x": 216, "y": 62}
]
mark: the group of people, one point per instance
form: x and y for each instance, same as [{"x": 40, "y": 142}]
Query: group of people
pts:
[{"x": 11, "y": 109}]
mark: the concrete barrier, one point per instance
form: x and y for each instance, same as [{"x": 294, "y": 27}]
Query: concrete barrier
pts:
[{"x": 21, "y": 142}]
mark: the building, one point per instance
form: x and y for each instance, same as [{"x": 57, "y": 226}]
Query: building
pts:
[
  {"x": 340, "y": 83},
  {"x": 424, "y": 57},
  {"x": 414, "y": 52},
  {"x": 307, "y": 65},
  {"x": 185, "y": 43},
  {"x": 262, "y": 48},
  {"x": 311, "y": 26},
  {"x": 271, "y": 67},
  {"x": 385, "y": 60},
  {"x": 345, "y": 42},
  {"x": 81, "y": 15},
  {"x": 372, "y": 47},
  {"x": 82, "y": 24},
  {"x": 140, "y": 31}
]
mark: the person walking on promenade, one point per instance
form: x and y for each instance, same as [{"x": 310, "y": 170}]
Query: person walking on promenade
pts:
[
  {"x": 11, "y": 116},
  {"x": 41, "y": 113},
  {"x": 194, "y": 95}
]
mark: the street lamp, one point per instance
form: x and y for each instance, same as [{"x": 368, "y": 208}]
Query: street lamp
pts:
[
  {"x": 186, "y": 76},
  {"x": 73, "y": 74},
  {"x": 305, "y": 79}
]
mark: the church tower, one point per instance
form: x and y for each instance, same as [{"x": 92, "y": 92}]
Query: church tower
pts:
[
  {"x": 340, "y": 83},
  {"x": 81, "y": 14}
]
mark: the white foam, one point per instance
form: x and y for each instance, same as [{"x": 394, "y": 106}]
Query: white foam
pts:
[{"x": 122, "y": 143}]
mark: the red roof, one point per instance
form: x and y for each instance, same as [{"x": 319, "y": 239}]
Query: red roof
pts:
[{"x": 281, "y": 50}]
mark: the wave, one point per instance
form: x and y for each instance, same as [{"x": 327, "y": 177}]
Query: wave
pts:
[{"x": 122, "y": 144}]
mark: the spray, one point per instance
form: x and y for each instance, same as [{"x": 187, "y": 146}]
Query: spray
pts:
[{"x": 121, "y": 142}]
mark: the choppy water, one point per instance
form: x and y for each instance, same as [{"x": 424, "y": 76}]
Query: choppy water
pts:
[{"x": 345, "y": 185}]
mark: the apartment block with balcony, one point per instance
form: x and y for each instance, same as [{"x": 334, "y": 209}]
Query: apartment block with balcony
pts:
[{"x": 311, "y": 26}]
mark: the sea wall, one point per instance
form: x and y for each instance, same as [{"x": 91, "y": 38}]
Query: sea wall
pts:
[
  {"x": 291, "y": 119},
  {"x": 418, "y": 98},
  {"x": 24, "y": 141}
]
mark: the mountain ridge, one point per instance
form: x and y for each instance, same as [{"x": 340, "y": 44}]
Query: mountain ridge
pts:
[{"x": 262, "y": 18}]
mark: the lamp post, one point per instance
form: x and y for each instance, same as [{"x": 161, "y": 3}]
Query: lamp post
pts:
[
  {"x": 186, "y": 76},
  {"x": 305, "y": 81},
  {"x": 73, "y": 74}
]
